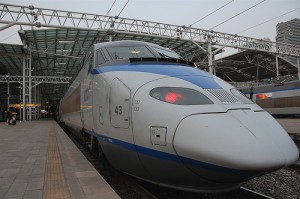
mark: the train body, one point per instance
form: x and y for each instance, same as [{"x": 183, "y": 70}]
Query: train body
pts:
[
  {"x": 278, "y": 99},
  {"x": 160, "y": 119}
]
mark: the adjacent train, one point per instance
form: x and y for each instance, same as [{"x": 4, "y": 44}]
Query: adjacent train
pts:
[
  {"x": 160, "y": 119},
  {"x": 278, "y": 99}
]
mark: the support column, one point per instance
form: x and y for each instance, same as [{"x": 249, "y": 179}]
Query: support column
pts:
[
  {"x": 210, "y": 56},
  {"x": 38, "y": 100},
  {"x": 29, "y": 83},
  {"x": 20, "y": 98},
  {"x": 8, "y": 93},
  {"x": 34, "y": 98},
  {"x": 34, "y": 102},
  {"x": 277, "y": 67},
  {"x": 24, "y": 87}
]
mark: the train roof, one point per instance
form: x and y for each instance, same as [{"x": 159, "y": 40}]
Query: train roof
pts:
[
  {"x": 283, "y": 86},
  {"x": 124, "y": 43}
]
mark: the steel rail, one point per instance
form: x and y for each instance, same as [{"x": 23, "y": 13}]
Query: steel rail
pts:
[{"x": 248, "y": 193}]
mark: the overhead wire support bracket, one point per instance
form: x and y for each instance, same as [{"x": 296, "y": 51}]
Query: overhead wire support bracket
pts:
[{"x": 84, "y": 21}]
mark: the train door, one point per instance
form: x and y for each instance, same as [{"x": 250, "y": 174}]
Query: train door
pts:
[
  {"x": 100, "y": 96},
  {"x": 100, "y": 118},
  {"x": 87, "y": 93},
  {"x": 86, "y": 108},
  {"x": 123, "y": 153},
  {"x": 119, "y": 104}
]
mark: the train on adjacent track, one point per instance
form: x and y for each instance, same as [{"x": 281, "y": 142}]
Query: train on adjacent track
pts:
[
  {"x": 279, "y": 99},
  {"x": 158, "y": 118}
]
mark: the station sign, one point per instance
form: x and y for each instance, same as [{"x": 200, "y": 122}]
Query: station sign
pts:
[{"x": 22, "y": 105}]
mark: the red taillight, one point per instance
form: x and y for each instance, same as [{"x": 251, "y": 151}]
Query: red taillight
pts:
[{"x": 172, "y": 97}]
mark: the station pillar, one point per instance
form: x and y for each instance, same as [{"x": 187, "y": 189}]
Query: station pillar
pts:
[
  {"x": 210, "y": 56},
  {"x": 27, "y": 82}
]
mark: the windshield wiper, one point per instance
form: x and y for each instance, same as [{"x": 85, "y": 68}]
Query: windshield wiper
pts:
[
  {"x": 169, "y": 57},
  {"x": 165, "y": 56}
]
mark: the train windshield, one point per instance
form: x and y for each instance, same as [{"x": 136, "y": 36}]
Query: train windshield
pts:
[
  {"x": 129, "y": 52},
  {"x": 167, "y": 53}
]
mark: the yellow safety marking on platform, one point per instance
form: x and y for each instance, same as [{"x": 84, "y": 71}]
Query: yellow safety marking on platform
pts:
[{"x": 55, "y": 186}]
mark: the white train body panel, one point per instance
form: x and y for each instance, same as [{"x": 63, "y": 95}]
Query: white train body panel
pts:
[{"x": 211, "y": 139}]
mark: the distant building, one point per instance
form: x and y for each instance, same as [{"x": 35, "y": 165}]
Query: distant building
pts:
[{"x": 289, "y": 33}]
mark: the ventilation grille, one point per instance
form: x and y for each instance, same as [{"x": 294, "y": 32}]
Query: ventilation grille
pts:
[{"x": 223, "y": 96}]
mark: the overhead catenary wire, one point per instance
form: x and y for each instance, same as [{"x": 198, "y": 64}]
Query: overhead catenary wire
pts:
[
  {"x": 211, "y": 13},
  {"x": 111, "y": 7},
  {"x": 237, "y": 14},
  {"x": 269, "y": 20},
  {"x": 123, "y": 8}
]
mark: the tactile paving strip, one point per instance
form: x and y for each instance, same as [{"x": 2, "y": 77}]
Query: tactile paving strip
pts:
[{"x": 55, "y": 186}]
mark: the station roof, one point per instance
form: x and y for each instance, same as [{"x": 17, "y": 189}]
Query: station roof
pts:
[
  {"x": 254, "y": 66},
  {"x": 11, "y": 59},
  {"x": 58, "y": 52},
  {"x": 59, "y": 39}
]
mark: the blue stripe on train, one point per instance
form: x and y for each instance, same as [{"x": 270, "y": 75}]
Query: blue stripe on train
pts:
[
  {"x": 190, "y": 74},
  {"x": 162, "y": 155}
]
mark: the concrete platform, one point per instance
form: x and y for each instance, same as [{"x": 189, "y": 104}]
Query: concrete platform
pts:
[{"x": 38, "y": 160}]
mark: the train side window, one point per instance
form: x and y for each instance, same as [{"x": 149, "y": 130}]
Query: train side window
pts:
[{"x": 100, "y": 58}]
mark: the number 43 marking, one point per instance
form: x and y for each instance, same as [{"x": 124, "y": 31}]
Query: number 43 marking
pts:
[{"x": 118, "y": 110}]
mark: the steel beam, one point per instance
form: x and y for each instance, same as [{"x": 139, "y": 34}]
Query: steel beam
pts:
[
  {"x": 37, "y": 79},
  {"x": 7, "y": 26},
  {"x": 23, "y": 15}
]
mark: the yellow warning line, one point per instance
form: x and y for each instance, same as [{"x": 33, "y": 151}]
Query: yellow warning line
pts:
[{"x": 55, "y": 186}]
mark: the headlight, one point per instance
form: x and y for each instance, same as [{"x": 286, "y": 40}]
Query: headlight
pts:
[{"x": 180, "y": 96}]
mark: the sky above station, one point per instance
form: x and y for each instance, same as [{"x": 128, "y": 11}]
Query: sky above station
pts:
[{"x": 256, "y": 18}]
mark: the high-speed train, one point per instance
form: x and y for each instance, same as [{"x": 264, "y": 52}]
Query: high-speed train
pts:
[
  {"x": 158, "y": 118},
  {"x": 278, "y": 99}
]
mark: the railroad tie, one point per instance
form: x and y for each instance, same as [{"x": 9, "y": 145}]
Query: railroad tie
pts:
[{"x": 55, "y": 186}]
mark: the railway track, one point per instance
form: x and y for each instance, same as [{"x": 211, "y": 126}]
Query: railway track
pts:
[
  {"x": 130, "y": 188},
  {"x": 165, "y": 193},
  {"x": 247, "y": 193}
]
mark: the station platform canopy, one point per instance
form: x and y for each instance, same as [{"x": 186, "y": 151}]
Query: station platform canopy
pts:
[
  {"x": 59, "y": 53},
  {"x": 255, "y": 66},
  {"x": 11, "y": 59},
  {"x": 54, "y": 47}
]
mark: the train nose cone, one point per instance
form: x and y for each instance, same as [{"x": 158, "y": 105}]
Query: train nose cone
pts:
[{"x": 233, "y": 146}]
